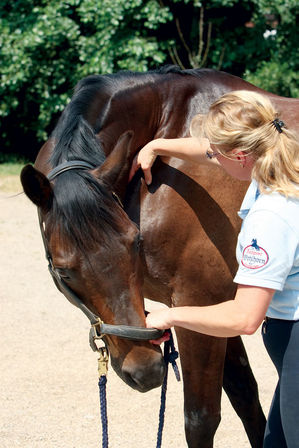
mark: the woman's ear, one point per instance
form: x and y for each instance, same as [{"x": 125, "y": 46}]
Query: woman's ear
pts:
[
  {"x": 37, "y": 187},
  {"x": 241, "y": 156}
]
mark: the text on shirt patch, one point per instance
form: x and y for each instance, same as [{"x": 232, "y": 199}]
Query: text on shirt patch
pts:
[{"x": 254, "y": 256}]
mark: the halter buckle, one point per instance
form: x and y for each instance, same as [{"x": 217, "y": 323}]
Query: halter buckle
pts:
[{"x": 95, "y": 334}]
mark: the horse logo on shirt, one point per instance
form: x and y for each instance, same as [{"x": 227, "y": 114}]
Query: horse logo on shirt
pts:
[{"x": 254, "y": 256}]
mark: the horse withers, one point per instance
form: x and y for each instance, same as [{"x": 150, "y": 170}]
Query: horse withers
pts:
[{"x": 173, "y": 241}]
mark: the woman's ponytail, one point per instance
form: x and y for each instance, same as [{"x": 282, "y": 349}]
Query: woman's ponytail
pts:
[{"x": 248, "y": 121}]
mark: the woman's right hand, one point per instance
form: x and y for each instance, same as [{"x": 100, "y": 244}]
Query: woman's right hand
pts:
[
  {"x": 184, "y": 148},
  {"x": 145, "y": 160}
]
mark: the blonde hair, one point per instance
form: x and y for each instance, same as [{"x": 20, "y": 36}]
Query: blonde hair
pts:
[{"x": 245, "y": 121}]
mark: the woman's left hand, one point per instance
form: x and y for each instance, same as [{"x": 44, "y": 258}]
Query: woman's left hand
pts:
[{"x": 159, "y": 319}]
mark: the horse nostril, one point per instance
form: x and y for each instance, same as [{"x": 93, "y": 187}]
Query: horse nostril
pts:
[{"x": 144, "y": 378}]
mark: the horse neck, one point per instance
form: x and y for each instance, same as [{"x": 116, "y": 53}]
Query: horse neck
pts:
[
  {"x": 156, "y": 109},
  {"x": 137, "y": 110}
]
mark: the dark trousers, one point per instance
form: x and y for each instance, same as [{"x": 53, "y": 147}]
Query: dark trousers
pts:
[{"x": 281, "y": 339}]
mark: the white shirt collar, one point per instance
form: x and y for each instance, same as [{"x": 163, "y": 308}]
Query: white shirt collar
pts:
[{"x": 249, "y": 199}]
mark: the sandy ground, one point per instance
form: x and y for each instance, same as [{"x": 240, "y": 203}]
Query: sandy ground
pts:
[{"x": 48, "y": 390}]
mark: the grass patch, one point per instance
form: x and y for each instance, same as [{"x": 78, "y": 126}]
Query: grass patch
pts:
[
  {"x": 11, "y": 165},
  {"x": 10, "y": 168}
]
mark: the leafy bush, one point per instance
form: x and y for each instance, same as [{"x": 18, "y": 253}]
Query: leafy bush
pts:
[
  {"x": 46, "y": 46},
  {"x": 275, "y": 77},
  {"x": 278, "y": 70}
]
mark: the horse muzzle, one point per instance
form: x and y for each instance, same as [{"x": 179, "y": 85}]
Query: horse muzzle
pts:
[{"x": 142, "y": 368}]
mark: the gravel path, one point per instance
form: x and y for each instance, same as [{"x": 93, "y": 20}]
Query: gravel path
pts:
[{"x": 48, "y": 391}]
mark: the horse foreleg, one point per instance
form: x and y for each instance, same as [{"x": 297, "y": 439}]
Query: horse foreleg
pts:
[
  {"x": 242, "y": 391},
  {"x": 202, "y": 360}
]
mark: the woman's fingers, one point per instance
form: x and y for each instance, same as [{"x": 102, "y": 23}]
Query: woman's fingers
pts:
[
  {"x": 147, "y": 175},
  {"x": 134, "y": 168},
  {"x": 144, "y": 161},
  {"x": 164, "y": 338}
]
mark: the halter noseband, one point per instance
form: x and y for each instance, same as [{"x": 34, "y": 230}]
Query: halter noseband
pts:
[{"x": 98, "y": 327}]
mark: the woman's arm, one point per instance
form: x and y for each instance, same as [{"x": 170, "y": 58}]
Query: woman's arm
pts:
[
  {"x": 190, "y": 148},
  {"x": 243, "y": 315}
]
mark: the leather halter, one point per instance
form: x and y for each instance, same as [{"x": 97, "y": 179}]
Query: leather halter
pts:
[{"x": 98, "y": 327}]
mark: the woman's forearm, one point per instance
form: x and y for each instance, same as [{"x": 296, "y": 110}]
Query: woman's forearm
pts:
[
  {"x": 243, "y": 315},
  {"x": 221, "y": 320},
  {"x": 189, "y": 148}
]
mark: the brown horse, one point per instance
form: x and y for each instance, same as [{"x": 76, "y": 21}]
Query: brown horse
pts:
[{"x": 173, "y": 242}]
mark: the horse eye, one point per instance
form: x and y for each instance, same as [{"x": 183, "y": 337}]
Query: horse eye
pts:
[{"x": 63, "y": 273}]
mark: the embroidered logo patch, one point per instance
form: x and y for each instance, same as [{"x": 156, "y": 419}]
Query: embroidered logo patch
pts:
[{"x": 254, "y": 256}]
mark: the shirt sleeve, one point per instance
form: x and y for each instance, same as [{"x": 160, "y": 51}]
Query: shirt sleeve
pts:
[{"x": 265, "y": 251}]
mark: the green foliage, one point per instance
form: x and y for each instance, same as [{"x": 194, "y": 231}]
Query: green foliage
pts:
[
  {"x": 277, "y": 71},
  {"x": 11, "y": 159},
  {"x": 46, "y": 46},
  {"x": 275, "y": 77},
  {"x": 119, "y": 35},
  {"x": 36, "y": 44}
]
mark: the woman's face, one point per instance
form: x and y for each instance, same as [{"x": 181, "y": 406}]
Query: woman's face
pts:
[{"x": 236, "y": 163}]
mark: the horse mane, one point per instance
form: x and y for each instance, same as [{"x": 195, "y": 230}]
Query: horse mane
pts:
[{"x": 81, "y": 203}]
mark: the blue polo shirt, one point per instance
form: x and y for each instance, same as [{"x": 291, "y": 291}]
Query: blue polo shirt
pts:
[{"x": 268, "y": 249}]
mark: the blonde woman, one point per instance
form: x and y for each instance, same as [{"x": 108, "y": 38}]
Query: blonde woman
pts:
[{"x": 243, "y": 133}]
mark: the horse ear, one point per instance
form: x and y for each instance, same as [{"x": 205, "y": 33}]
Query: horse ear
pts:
[
  {"x": 114, "y": 172},
  {"x": 37, "y": 187}
]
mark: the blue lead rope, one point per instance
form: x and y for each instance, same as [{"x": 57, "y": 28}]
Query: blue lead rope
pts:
[
  {"x": 170, "y": 356},
  {"x": 103, "y": 401},
  {"x": 103, "y": 369}
]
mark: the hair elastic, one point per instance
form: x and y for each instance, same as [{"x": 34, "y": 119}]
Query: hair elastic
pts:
[{"x": 278, "y": 124}]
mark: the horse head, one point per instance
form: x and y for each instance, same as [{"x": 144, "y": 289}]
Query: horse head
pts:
[{"x": 96, "y": 250}]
